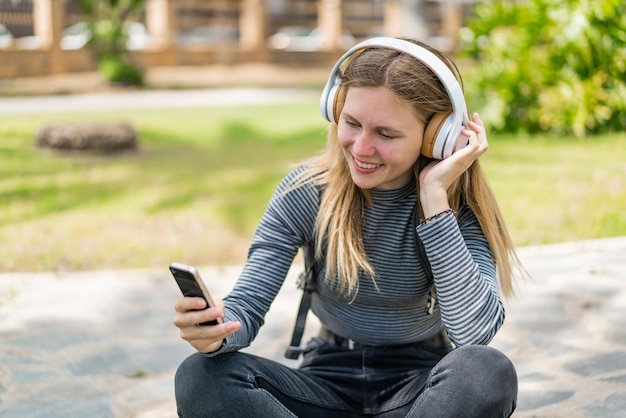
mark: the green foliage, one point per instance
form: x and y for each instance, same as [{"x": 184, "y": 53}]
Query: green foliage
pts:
[
  {"x": 119, "y": 71},
  {"x": 549, "y": 65},
  {"x": 108, "y": 21}
]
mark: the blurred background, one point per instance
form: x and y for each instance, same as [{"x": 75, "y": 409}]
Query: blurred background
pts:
[
  {"x": 547, "y": 77},
  {"x": 43, "y": 37}
]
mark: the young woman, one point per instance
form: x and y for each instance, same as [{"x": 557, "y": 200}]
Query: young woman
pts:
[{"x": 388, "y": 347}]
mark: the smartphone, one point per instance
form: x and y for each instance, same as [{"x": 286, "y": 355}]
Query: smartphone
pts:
[{"x": 191, "y": 284}]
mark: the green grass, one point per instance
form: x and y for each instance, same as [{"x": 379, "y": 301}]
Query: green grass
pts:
[
  {"x": 559, "y": 189},
  {"x": 201, "y": 179}
]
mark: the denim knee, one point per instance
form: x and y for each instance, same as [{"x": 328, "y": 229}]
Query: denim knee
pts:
[
  {"x": 471, "y": 381},
  {"x": 187, "y": 380},
  {"x": 197, "y": 384},
  {"x": 487, "y": 377}
]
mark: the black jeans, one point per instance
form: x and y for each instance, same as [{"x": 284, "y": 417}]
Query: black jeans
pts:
[{"x": 407, "y": 381}]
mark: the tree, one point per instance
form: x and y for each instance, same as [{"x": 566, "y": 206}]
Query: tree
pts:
[
  {"x": 549, "y": 65},
  {"x": 107, "y": 22}
]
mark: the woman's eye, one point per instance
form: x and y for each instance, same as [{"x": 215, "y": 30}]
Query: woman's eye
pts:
[
  {"x": 350, "y": 123},
  {"x": 386, "y": 136}
]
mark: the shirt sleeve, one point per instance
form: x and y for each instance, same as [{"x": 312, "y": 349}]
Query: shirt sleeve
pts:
[
  {"x": 464, "y": 273},
  {"x": 285, "y": 226}
]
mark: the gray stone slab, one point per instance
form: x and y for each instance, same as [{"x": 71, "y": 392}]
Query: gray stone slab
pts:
[
  {"x": 605, "y": 363},
  {"x": 52, "y": 337},
  {"x": 116, "y": 355},
  {"x": 70, "y": 399},
  {"x": 614, "y": 406},
  {"x": 530, "y": 400},
  {"x": 111, "y": 360}
]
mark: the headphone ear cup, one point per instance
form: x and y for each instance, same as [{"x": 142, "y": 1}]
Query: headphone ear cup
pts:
[
  {"x": 339, "y": 100},
  {"x": 432, "y": 133}
]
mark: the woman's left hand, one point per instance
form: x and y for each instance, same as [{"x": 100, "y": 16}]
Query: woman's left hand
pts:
[{"x": 438, "y": 176}]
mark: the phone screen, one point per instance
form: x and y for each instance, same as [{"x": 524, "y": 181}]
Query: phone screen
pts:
[{"x": 191, "y": 284}]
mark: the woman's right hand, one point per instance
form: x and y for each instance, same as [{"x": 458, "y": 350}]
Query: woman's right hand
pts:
[
  {"x": 190, "y": 311},
  {"x": 437, "y": 177}
]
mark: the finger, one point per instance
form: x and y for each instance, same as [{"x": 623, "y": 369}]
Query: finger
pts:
[
  {"x": 206, "y": 336},
  {"x": 197, "y": 336},
  {"x": 208, "y": 332},
  {"x": 211, "y": 314},
  {"x": 189, "y": 304},
  {"x": 475, "y": 127},
  {"x": 218, "y": 332},
  {"x": 471, "y": 135},
  {"x": 478, "y": 131},
  {"x": 477, "y": 142},
  {"x": 193, "y": 317},
  {"x": 476, "y": 119}
]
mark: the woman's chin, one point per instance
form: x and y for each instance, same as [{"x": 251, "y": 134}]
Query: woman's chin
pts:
[{"x": 363, "y": 183}]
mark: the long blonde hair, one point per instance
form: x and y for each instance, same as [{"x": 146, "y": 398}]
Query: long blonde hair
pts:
[{"x": 338, "y": 225}]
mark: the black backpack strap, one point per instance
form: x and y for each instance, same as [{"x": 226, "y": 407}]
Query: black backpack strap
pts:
[{"x": 306, "y": 281}]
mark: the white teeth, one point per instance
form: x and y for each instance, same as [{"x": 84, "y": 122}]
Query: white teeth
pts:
[{"x": 366, "y": 166}]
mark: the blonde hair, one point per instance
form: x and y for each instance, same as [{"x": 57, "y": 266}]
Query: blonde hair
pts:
[{"x": 338, "y": 225}]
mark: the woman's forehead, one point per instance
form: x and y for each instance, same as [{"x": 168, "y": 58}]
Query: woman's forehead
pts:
[{"x": 381, "y": 105}]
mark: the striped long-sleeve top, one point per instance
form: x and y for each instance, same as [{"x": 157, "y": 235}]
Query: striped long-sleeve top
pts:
[{"x": 393, "y": 309}]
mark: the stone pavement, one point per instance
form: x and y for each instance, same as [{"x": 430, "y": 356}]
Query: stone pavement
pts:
[{"x": 102, "y": 344}]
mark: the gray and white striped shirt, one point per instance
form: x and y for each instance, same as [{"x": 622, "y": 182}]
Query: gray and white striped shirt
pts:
[{"x": 391, "y": 311}]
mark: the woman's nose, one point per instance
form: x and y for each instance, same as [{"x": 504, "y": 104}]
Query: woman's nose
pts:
[{"x": 363, "y": 145}]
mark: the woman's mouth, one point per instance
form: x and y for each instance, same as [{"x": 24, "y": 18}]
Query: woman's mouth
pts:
[{"x": 365, "y": 166}]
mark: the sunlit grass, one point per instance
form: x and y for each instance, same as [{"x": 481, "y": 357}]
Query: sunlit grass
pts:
[
  {"x": 197, "y": 186},
  {"x": 560, "y": 189}
]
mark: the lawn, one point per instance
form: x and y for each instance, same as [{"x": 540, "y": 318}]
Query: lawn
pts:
[{"x": 201, "y": 178}]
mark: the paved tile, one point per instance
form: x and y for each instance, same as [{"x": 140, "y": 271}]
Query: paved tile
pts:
[
  {"x": 565, "y": 331},
  {"x": 102, "y": 343}
]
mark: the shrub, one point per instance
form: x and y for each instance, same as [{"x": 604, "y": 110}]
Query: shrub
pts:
[
  {"x": 117, "y": 70},
  {"x": 107, "y": 21},
  {"x": 549, "y": 65}
]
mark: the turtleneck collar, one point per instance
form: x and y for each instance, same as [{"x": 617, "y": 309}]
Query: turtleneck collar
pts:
[{"x": 394, "y": 195}]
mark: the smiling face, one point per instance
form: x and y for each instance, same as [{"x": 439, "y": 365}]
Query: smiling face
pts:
[{"x": 380, "y": 136}]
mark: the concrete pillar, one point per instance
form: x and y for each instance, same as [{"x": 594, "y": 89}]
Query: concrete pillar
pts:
[
  {"x": 162, "y": 25},
  {"x": 48, "y": 25},
  {"x": 392, "y": 20},
  {"x": 452, "y": 21},
  {"x": 48, "y": 22},
  {"x": 330, "y": 22},
  {"x": 161, "y": 22},
  {"x": 405, "y": 18},
  {"x": 252, "y": 26}
]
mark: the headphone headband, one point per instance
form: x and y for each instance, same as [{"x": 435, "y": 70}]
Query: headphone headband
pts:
[{"x": 440, "y": 69}]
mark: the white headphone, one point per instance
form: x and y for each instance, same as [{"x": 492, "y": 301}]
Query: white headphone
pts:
[{"x": 442, "y": 135}]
